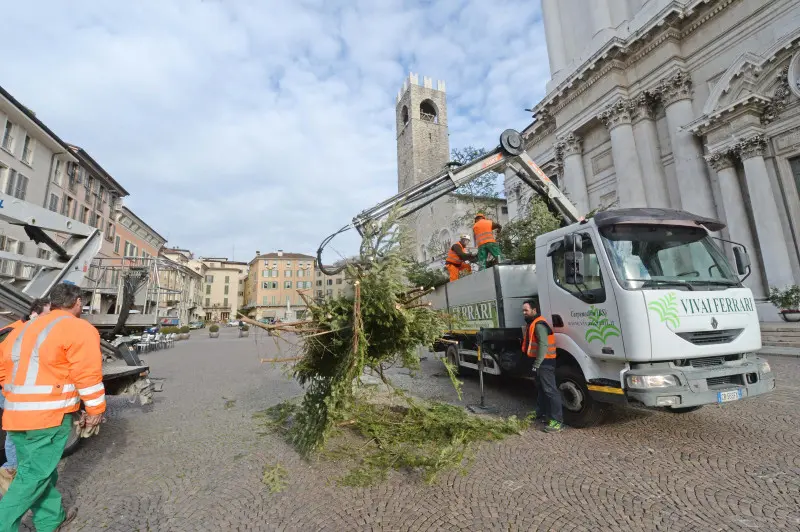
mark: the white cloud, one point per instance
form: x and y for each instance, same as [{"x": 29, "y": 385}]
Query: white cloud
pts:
[{"x": 264, "y": 125}]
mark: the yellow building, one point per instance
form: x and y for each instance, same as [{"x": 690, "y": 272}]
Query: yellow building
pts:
[
  {"x": 275, "y": 283},
  {"x": 223, "y": 288}
]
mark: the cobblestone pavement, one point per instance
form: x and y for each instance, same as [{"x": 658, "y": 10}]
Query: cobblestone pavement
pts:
[{"x": 195, "y": 459}]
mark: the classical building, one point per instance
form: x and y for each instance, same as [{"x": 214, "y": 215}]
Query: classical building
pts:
[
  {"x": 687, "y": 104},
  {"x": 179, "y": 287},
  {"x": 423, "y": 150},
  {"x": 223, "y": 288},
  {"x": 330, "y": 286},
  {"x": 275, "y": 283},
  {"x": 31, "y": 158}
]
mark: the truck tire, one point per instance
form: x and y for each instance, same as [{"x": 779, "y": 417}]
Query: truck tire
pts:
[
  {"x": 579, "y": 408},
  {"x": 452, "y": 358},
  {"x": 74, "y": 439}
]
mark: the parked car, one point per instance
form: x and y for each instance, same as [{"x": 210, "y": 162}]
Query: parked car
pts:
[
  {"x": 197, "y": 325},
  {"x": 232, "y": 323}
]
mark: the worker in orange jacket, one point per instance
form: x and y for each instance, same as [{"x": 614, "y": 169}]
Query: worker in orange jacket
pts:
[
  {"x": 47, "y": 367},
  {"x": 485, "y": 240},
  {"x": 457, "y": 257}
]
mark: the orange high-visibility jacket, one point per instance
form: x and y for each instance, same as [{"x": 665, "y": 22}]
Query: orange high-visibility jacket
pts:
[
  {"x": 483, "y": 232},
  {"x": 47, "y": 367},
  {"x": 529, "y": 343},
  {"x": 452, "y": 256}
]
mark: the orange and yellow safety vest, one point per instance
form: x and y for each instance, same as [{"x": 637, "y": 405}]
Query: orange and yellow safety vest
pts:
[
  {"x": 483, "y": 232},
  {"x": 452, "y": 256},
  {"x": 529, "y": 342},
  {"x": 47, "y": 367}
]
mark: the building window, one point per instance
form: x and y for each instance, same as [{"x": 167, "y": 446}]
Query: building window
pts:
[
  {"x": 288, "y": 264},
  {"x": 339, "y": 281},
  {"x": 299, "y": 284},
  {"x": 330, "y": 282},
  {"x": 110, "y": 230},
  {"x": 208, "y": 302},
  {"x": 227, "y": 279},
  {"x": 226, "y": 289},
  {"x": 287, "y": 284},
  {"x": 8, "y": 139},
  {"x": 58, "y": 172},
  {"x": 27, "y": 150},
  {"x": 329, "y": 292},
  {"x": 265, "y": 300},
  {"x": 85, "y": 215},
  {"x": 287, "y": 273},
  {"x": 53, "y": 203},
  {"x": 116, "y": 245},
  {"x": 209, "y": 278},
  {"x": 225, "y": 302},
  {"x": 17, "y": 184},
  {"x": 208, "y": 289},
  {"x": 504, "y": 210},
  {"x": 265, "y": 285},
  {"x": 319, "y": 282},
  {"x": 319, "y": 293}
]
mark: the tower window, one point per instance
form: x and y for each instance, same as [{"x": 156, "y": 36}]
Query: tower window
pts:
[
  {"x": 427, "y": 112},
  {"x": 404, "y": 114}
]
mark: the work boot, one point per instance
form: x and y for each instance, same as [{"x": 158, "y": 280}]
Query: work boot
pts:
[
  {"x": 554, "y": 426},
  {"x": 72, "y": 513},
  {"x": 6, "y": 476}
]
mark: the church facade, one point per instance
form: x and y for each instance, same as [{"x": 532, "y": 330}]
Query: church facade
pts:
[{"x": 685, "y": 104}]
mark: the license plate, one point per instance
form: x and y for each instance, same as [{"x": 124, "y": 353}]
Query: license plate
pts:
[{"x": 732, "y": 395}]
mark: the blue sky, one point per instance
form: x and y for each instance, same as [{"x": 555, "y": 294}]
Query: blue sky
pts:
[{"x": 264, "y": 125}]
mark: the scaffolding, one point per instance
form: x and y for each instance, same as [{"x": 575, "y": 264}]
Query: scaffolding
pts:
[{"x": 160, "y": 290}]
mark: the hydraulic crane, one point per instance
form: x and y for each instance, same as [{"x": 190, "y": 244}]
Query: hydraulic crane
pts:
[{"x": 509, "y": 154}]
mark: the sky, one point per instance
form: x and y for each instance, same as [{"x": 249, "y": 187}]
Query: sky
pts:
[{"x": 245, "y": 125}]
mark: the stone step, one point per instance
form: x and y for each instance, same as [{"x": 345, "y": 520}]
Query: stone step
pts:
[
  {"x": 780, "y": 334},
  {"x": 780, "y": 326}
]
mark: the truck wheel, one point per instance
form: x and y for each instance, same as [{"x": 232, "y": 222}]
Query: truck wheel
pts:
[
  {"x": 452, "y": 359},
  {"x": 580, "y": 409},
  {"x": 682, "y": 410},
  {"x": 74, "y": 439}
]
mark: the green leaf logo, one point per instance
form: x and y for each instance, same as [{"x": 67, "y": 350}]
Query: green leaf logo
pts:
[
  {"x": 600, "y": 327},
  {"x": 667, "y": 310}
]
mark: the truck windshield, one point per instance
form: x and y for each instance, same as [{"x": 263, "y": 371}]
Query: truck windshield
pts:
[{"x": 661, "y": 257}]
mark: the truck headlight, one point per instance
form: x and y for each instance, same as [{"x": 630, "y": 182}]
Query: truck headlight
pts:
[
  {"x": 652, "y": 381},
  {"x": 764, "y": 367}
]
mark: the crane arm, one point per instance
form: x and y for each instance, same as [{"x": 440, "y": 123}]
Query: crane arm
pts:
[{"x": 510, "y": 153}]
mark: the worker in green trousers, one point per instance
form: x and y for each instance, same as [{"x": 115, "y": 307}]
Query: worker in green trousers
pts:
[{"x": 38, "y": 452}]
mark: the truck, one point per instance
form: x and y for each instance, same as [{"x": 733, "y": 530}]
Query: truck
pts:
[
  {"x": 72, "y": 246},
  {"x": 646, "y": 308}
]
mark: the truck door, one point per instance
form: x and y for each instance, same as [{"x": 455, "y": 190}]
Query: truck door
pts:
[{"x": 585, "y": 311}]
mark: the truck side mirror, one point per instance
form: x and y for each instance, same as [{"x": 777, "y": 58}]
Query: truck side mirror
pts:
[
  {"x": 742, "y": 260},
  {"x": 573, "y": 242},
  {"x": 572, "y": 267}
]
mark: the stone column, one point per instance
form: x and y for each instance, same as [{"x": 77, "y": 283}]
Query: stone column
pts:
[
  {"x": 553, "y": 35},
  {"x": 736, "y": 217},
  {"x": 630, "y": 189},
  {"x": 653, "y": 176},
  {"x": 690, "y": 168},
  {"x": 574, "y": 180},
  {"x": 771, "y": 240}
]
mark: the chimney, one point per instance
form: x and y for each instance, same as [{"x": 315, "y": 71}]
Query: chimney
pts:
[
  {"x": 258, "y": 253},
  {"x": 280, "y": 253}
]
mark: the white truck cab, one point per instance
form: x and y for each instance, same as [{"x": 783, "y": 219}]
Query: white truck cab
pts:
[{"x": 645, "y": 307}]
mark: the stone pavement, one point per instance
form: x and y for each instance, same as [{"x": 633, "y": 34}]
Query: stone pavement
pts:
[{"x": 194, "y": 461}]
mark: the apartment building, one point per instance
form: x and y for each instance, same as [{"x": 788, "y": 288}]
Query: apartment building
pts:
[
  {"x": 180, "y": 287},
  {"x": 29, "y": 154},
  {"x": 223, "y": 290},
  {"x": 275, "y": 283},
  {"x": 329, "y": 286}
]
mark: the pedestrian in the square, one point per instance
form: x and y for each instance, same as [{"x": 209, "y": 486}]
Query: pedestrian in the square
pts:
[
  {"x": 539, "y": 343},
  {"x": 47, "y": 367}
]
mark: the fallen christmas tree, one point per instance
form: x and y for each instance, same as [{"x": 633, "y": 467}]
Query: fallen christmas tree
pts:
[{"x": 381, "y": 325}]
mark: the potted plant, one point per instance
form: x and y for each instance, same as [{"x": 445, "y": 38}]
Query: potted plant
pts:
[
  {"x": 787, "y": 301},
  {"x": 185, "y": 332},
  {"x": 213, "y": 331},
  {"x": 244, "y": 331}
]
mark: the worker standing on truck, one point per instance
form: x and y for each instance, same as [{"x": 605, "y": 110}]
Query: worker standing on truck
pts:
[
  {"x": 8, "y": 470},
  {"x": 484, "y": 239},
  {"x": 539, "y": 342},
  {"x": 47, "y": 367},
  {"x": 457, "y": 258}
]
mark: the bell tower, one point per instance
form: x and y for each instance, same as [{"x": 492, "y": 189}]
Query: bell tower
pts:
[{"x": 423, "y": 144}]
